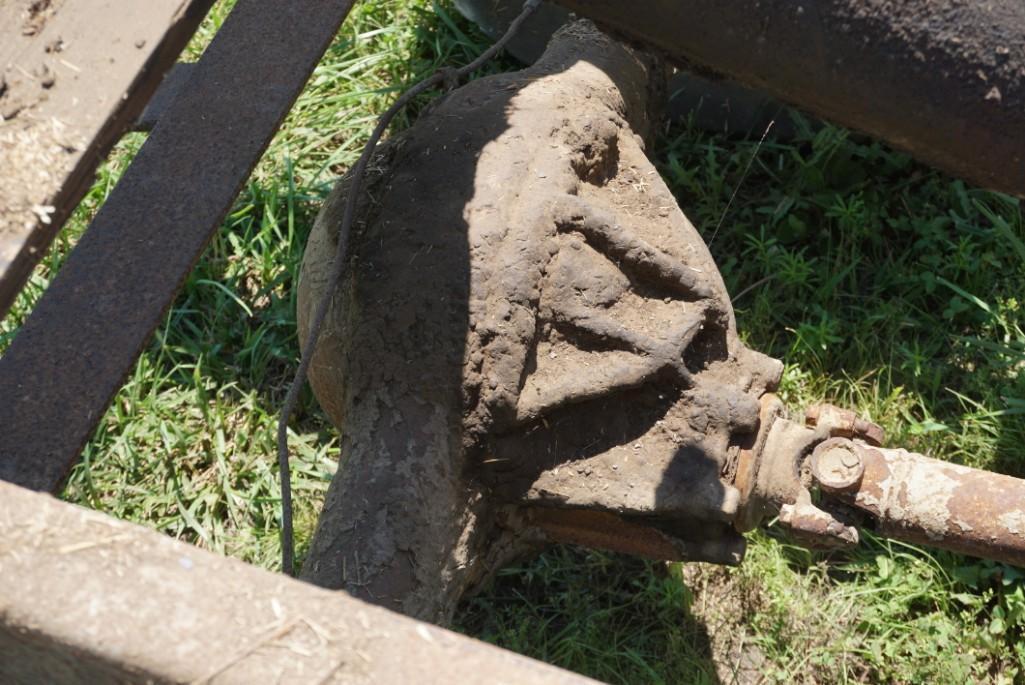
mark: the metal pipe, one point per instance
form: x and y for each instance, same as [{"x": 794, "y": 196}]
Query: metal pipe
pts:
[{"x": 927, "y": 501}]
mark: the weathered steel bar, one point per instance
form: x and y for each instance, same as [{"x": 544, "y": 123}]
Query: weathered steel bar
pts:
[
  {"x": 943, "y": 80},
  {"x": 73, "y": 77},
  {"x": 76, "y": 348},
  {"x": 88, "y": 598},
  {"x": 914, "y": 498},
  {"x": 176, "y": 80}
]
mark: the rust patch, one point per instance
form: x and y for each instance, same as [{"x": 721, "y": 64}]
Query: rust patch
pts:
[
  {"x": 843, "y": 423},
  {"x": 1014, "y": 522},
  {"x": 602, "y": 530},
  {"x": 816, "y": 528},
  {"x": 954, "y": 507}
]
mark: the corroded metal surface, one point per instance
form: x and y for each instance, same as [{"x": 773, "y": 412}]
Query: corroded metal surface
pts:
[
  {"x": 943, "y": 80},
  {"x": 83, "y": 338},
  {"x": 836, "y": 464},
  {"x": 843, "y": 423},
  {"x": 932, "y": 502},
  {"x": 603, "y": 530},
  {"x": 815, "y": 527},
  {"x": 823, "y": 484}
]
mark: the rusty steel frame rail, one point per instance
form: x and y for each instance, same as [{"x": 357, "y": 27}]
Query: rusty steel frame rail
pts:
[
  {"x": 102, "y": 600},
  {"x": 943, "y": 81},
  {"x": 81, "y": 341}
]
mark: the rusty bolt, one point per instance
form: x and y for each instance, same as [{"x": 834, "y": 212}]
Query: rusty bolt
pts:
[{"x": 836, "y": 464}]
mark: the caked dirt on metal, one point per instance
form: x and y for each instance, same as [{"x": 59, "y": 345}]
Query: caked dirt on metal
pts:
[{"x": 527, "y": 318}]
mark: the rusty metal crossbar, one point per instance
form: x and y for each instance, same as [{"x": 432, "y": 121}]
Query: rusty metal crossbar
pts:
[
  {"x": 84, "y": 336},
  {"x": 946, "y": 86},
  {"x": 101, "y": 600}
]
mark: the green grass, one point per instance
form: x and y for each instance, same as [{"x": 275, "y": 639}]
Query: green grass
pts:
[{"x": 882, "y": 284}]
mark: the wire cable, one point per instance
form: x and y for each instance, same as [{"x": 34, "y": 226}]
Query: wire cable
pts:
[{"x": 449, "y": 77}]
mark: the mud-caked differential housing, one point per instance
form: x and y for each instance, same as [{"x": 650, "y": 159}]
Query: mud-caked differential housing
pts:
[{"x": 530, "y": 337}]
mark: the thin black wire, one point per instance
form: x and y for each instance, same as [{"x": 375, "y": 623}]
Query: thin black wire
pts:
[
  {"x": 449, "y": 77},
  {"x": 743, "y": 176}
]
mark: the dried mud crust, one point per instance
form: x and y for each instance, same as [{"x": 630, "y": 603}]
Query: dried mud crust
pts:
[{"x": 523, "y": 292}]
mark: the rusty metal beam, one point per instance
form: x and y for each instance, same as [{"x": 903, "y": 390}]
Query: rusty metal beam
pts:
[
  {"x": 174, "y": 82},
  {"x": 944, "y": 81},
  {"x": 93, "y": 599},
  {"x": 73, "y": 77},
  {"x": 86, "y": 333}
]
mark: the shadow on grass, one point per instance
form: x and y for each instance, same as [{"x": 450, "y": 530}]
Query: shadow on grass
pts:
[
  {"x": 611, "y": 617},
  {"x": 881, "y": 283}
]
